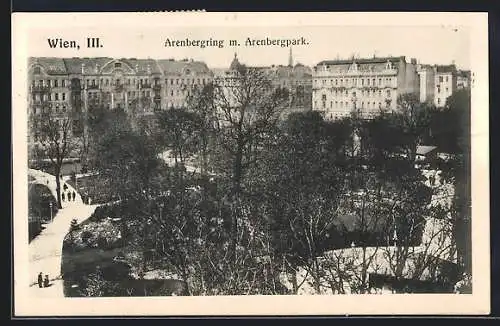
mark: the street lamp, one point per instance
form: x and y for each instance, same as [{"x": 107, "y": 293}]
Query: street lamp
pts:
[{"x": 51, "y": 217}]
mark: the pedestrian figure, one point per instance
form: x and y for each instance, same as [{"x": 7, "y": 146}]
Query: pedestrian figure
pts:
[
  {"x": 74, "y": 195},
  {"x": 65, "y": 187},
  {"x": 62, "y": 196},
  {"x": 46, "y": 281},
  {"x": 432, "y": 180},
  {"x": 40, "y": 280}
]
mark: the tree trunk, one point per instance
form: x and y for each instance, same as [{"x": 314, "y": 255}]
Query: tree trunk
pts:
[{"x": 58, "y": 186}]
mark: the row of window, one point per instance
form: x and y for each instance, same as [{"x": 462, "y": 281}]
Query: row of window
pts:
[
  {"x": 128, "y": 81},
  {"x": 441, "y": 79},
  {"x": 439, "y": 89},
  {"x": 50, "y": 97},
  {"x": 144, "y": 93},
  {"x": 360, "y": 82},
  {"x": 347, "y": 104},
  {"x": 50, "y": 82},
  {"x": 48, "y": 109},
  {"x": 364, "y": 93}
]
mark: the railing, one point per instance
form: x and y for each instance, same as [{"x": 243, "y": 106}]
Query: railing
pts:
[{"x": 38, "y": 88}]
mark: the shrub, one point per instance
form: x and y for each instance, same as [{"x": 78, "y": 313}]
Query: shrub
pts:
[{"x": 86, "y": 235}]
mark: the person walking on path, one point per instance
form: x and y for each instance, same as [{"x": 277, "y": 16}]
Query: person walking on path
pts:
[
  {"x": 62, "y": 196},
  {"x": 40, "y": 280},
  {"x": 74, "y": 195},
  {"x": 46, "y": 281}
]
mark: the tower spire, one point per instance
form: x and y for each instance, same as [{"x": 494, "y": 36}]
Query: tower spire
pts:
[{"x": 290, "y": 58}]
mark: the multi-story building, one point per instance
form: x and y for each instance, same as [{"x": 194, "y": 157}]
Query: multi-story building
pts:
[
  {"x": 364, "y": 85},
  {"x": 427, "y": 83},
  {"x": 73, "y": 86},
  {"x": 438, "y": 82},
  {"x": 297, "y": 79},
  {"x": 445, "y": 82},
  {"x": 463, "y": 79}
]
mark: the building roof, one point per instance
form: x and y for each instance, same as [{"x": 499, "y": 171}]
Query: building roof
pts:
[
  {"x": 53, "y": 66},
  {"x": 144, "y": 66},
  {"x": 423, "y": 150},
  {"x": 446, "y": 68},
  {"x": 298, "y": 71},
  {"x": 362, "y": 60},
  {"x": 172, "y": 67},
  {"x": 235, "y": 64},
  {"x": 463, "y": 73},
  {"x": 91, "y": 65}
]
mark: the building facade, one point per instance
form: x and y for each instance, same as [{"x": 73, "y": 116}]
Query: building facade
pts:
[
  {"x": 70, "y": 87},
  {"x": 426, "y": 83},
  {"x": 297, "y": 79},
  {"x": 445, "y": 82},
  {"x": 363, "y": 85}
]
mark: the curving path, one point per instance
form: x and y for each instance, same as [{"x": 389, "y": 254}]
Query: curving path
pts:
[
  {"x": 45, "y": 251},
  {"x": 49, "y": 181}
]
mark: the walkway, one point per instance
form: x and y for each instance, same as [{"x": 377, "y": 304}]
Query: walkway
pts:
[
  {"x": 45, "y": 251},
  {"x": 49, "y": 181}
]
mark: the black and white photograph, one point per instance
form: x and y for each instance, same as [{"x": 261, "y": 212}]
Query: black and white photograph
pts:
[{"x": 280, "y": 160}]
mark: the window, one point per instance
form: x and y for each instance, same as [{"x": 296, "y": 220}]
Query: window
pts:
[
  {"x": 63, "y": 83},
  {"x": 323, "y": 97},
  {"x": 439, "y": 89},
  {"x": 446, "y": 89},
  {"x": 107, "y": 82},
  {"x": 439, "y": 101},
  {"x": 362, "y": 104},
  {"x": 379, "y": 92},
  {"x": 56, "y": 84},
  {"x": 118, "y": 65},
  {"x": 362, "y": 82},
  {"x": 36, "y": 70},
  {"x": 373, "y": 82},
  {"x": 336, "y": 104},
  {"x": 171, "y": 93},
  {"x": 380, "y": 81},
  {"x": 368, "y": 82},
  {"x": 440, "y": 79},
  {"x": 388, "y": 93},
  {"x": 64, "y": 96},
  {"x": 336, "y": 81},
  {"x": 446, "y": 78}
]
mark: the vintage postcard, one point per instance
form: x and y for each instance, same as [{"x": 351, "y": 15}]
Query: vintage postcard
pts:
[{"x": 250, "y": 164}]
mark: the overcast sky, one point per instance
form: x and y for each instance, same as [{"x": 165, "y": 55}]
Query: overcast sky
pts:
[{"x": 428, "y": 44}]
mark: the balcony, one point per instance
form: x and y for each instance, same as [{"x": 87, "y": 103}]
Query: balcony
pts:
[{"x": 40, "y": 89}]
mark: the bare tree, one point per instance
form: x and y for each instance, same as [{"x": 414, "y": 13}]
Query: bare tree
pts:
[
  {"x": 54, "y": 135},
  {"x": 247, "y": 110}
]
